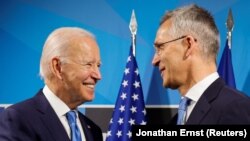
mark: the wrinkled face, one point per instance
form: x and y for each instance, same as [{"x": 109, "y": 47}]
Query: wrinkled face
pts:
[
  {"x": 80, "y": 72},
  {"x": 169, "y": 56}
]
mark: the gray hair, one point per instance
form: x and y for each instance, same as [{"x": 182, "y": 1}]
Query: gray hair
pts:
[
  {"x": 56, "y": 45},
  {"x": 198, "y": 22}
]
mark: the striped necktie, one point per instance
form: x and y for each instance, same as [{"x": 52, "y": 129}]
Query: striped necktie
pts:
[{"x": 75, "y": 132}]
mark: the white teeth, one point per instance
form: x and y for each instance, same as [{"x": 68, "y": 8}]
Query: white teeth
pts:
[{"x": 90, "y": 86}]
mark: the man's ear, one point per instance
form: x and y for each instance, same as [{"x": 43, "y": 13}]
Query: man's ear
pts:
[
  {"x": 190, "y": 43},
  {"x": 56, "y": 67}
]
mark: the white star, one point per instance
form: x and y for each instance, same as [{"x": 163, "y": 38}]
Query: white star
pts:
[
  {"x": 111, "y": 121},
  {"x": 109, "y": 133},
  {"x": 120, "y": 121},
  {"x": 129, "y": 59},
  {"x": 137, "y": 71},
  {"x": 143, "y": 123},
  {"x": 131, "y": 121},
  {"x": 136, "y": 84},
  {"x": 125, "y": 83},
  {"x": 126, "y": 71},
  {"x": 119, "y": 133},
  {"x": 129, "y": 134},
  {"x": 122, "y": 108},
  {"x": 123, "y": 96},
  {"x": 133, "y": 109},
  {"x": 144, "y": 112},
  {"x": 135, "y": 96}
]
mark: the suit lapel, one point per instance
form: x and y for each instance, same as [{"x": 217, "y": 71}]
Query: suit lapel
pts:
[
  {"x": 199, "y": 111},
  {"x": 50, "y": 119},
  {"x": 203, "y": 105},
  {"x": 86, "y": 128}
]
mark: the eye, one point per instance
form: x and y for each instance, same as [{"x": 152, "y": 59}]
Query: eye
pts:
[
  {"x": 158, "y": 49},
  {"x": 99, "y": 65},
  {"x": 161, "y": 46},
  {"x": 89, "y": 65},
  {"x": 92, "y": 64}
]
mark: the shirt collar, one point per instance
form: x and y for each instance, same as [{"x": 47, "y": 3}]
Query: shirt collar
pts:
[
  {"x": 197, "y": 90},
  {"x": 56, "y": 103}
]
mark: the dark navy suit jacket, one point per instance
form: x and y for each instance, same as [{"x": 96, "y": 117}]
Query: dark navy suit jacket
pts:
[
  {"x": 220, "y": 104},
  {"x": 35, "y": 120}
]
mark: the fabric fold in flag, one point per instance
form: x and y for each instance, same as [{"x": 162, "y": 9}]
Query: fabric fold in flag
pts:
[
  {"x": 130, "y": 107},
  {"x": 225, "y": 69}
]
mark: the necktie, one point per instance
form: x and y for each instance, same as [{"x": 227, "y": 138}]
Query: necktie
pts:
[
  {"x": 182, "y": 110},
  {"x": 75, "y": 132}
]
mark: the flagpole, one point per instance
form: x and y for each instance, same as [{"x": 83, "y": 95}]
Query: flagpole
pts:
[
  {"x": 225, "y": 68},
  {"x": 130, "y": 107},
  {"x": 230, "y": 25},
  {"x": 133, "y": 29}
]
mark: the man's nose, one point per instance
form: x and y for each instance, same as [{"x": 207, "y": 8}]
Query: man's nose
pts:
[
  {"x": 97, "y": 74},
  {"x": 156, "y": 60}
]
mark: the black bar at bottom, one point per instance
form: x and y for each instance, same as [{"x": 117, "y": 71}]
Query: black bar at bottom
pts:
[{"x": 194, "y": 132}]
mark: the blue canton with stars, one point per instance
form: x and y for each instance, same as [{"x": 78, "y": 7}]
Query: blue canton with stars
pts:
[{"x": 130, "y": 107}]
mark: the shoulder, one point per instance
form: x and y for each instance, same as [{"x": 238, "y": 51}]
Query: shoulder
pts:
[
  {"x": 23, "y": 108},
  {"x": 19, "y": 107},
  {"x": 233, "y": 94},
  {"x": 220, "y": 95},
  {"x": 234, "y": 100},
  {"x": 18, "y": 114},
  {"x": 220, "y": 90}
]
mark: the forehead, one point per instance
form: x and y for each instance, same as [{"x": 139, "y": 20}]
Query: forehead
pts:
[
  {"x": 163, "y": 31},
  {"x": 84, "y": 47}
]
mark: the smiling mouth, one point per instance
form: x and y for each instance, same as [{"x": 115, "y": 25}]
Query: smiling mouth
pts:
[
  {"x": 162, "y": 74},
  {"x": 91, "y": 86},
  {"x": 161, "y": 71}
]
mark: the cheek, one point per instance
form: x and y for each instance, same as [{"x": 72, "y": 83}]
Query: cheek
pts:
[
  {"x": 170, "y": 63},
  {"x": 69, "y": 75},
  {"x": 165, "y": 61},
  {"x": 173, "y": 58},
  {"x": 75, "y": 77},
  {"x": 84, "y": 75}
]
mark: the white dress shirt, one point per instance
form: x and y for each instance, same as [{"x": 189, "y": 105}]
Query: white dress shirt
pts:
[
  {"x": 61, "y": 109},
  {"x": 197, "y": 90}
]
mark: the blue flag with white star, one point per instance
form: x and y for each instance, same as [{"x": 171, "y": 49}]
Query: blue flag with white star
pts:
[
  {"x": 130, "y": 107},
  {"x": 225, "y": 69}
]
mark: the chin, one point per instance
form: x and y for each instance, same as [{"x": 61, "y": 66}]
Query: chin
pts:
[
  {"x": 86, "y": 99},
  {"x": 89, "y": 98},
  {"x": 168, "y": 85},
  {"x": 165, "y": 84}
]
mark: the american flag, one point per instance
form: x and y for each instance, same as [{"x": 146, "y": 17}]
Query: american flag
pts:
[{"x": 130, "y": 107}]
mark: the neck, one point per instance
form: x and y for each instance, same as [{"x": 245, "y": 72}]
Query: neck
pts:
[
  {"x": 197, "y": 73},
  {"x": 59, "y": 91}
]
